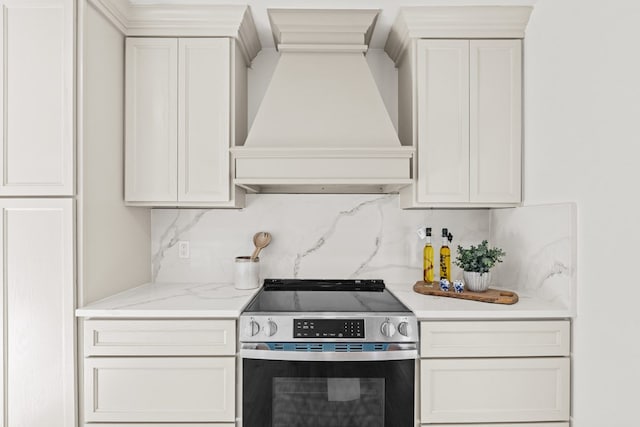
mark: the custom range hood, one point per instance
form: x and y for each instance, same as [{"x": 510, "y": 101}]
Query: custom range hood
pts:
[{"x": 322, "y": 126}]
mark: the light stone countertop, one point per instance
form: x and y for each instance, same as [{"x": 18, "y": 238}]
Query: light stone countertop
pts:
[
  {"x": 172, "y": 300},
  {"x": 222, "y": 300},
  {"x": 429, "y": 307}
]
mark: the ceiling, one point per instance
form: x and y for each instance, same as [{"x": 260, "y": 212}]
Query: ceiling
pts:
[{"x": 389, "y": 10}]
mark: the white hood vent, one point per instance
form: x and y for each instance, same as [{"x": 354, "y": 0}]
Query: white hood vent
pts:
[{"x": 322, "y": 126}]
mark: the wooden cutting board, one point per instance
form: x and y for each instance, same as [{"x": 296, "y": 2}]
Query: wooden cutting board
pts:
[{"x": 494, "y": 296}]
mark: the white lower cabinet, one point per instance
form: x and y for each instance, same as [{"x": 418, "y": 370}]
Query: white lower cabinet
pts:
[
  {"x": 160, "y": 389},
  {"x": 495, "y": 390},
  {"x": 128, "y": 383},
  {"x": 495, "y": 372},
  {"x": 190, "y": 425},
  {"x": 497, "y": 425},
  {"x": 37, "y": 359}
]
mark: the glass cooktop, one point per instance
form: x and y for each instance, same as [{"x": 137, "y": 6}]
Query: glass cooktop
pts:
[{"x": 345, "y": 296}]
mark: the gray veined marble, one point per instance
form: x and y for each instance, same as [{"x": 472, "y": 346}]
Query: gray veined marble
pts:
[
  {"x": 374, "y": 204},
  {"x": 365, "y": 236},
  {"x": 540, "y": 242},
  {"x": 175, "y": 300},
  {"x": 314, "y": 236},
  {"x": 169, "y": 238}
]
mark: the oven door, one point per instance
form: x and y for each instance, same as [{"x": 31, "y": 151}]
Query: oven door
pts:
[{"x": 328, "y": 389}]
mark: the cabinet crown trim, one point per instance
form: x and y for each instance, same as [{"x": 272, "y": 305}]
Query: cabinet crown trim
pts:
[
  {"x": 467, "y": 22},
  {"x": 175, "y": 20}
]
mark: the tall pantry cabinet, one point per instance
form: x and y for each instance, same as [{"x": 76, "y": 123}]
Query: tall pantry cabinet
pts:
[
  {"x": 37, "y": 93},
  {"x": 37, "y": 230}
]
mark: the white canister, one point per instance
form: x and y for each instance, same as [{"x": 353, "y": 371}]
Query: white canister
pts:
[{"x": 247, "y": 272}]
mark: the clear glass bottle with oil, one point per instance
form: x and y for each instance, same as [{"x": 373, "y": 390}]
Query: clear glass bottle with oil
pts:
[
  {"x": 445, "y": 255},
  {"x": 427, "y": 253}
]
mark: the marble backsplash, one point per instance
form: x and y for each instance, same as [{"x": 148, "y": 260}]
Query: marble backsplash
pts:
[
  {"x": 366, "y": 236},
  {"x": 314, "y": 236},
  {"x": 541, "y": 246}
]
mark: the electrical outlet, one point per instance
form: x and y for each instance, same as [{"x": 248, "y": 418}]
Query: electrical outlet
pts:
[{"x": 183, "y": 249}]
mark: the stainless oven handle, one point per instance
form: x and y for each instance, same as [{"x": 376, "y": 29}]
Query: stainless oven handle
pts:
[{"x": 250, "y": 352}]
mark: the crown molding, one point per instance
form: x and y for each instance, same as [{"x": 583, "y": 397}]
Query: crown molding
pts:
[
  {"x": 331, "y": 28},
  {"x": 468, "y": 22},
  {"x": 174, "y": 20},
  {"x": 116, "y": 11}
]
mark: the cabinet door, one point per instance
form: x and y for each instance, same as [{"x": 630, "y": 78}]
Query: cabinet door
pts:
[
  {"x": 443, "y": 120},
  {"x": 37, "y": 313},
  {"x": 36, "y": 108},
  {"x": 495, "y": 121},
  {"x": 159, "y": 389},
  {"x": 494, "y": 390},
  {"x": 204, "y": 122},
  {"x": 151, "y": 120}
]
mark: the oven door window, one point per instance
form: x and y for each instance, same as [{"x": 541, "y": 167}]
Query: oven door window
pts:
[
  {"x": 328, "y": 394},
  {"x": 348, "y": 402}
]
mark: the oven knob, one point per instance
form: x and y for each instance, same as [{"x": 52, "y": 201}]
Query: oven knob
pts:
[
  {"x": 253, "y": 328},
  {"x": 404, "y": 328},
  {"x": 388, "y": 329},
  {"x": 270, "y": 328}
]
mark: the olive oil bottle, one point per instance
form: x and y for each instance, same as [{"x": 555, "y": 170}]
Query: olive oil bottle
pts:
[
  {"x": 428, "y": 257},
  {"x": 445, "y": 255}
]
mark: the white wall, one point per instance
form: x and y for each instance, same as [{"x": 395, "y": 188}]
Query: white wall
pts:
[
  {"x": 582, "y": 143},
  {"x": 113, "y": 252}
]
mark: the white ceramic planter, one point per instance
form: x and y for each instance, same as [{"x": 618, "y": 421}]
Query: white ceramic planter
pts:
[{"x": 476, "y": 282}]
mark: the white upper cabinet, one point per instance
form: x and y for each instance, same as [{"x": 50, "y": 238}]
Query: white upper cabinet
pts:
[
  {"x": 178, "y": 120},
  {"x": 495, "y": 137},
  {"x": 443, "y": 121},
  {"x": 460, "y": 95},
  {"x": 151, "y": 98},
  {"x": 37, "y": 89},
  {"x": 204, "y": 120},
  {"x": 469, "y": 138}
]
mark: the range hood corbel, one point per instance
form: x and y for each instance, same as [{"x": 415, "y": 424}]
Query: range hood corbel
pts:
[{"x": 322, "y": 126}]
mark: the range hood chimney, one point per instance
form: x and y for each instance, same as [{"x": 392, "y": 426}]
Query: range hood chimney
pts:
[{"x": 322, "y": 126}]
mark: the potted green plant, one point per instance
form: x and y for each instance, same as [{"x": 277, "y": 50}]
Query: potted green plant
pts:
[{"x": 476, "y": 263}]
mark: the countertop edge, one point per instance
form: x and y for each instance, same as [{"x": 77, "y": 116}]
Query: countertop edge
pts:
[
  {"x": 427, "y": 307},
  {"x": 483, "y": 315},
  {"x": 164, "y": 314}
]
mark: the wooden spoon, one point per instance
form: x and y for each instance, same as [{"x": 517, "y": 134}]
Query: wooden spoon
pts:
[{"x": 260, "y": 240}]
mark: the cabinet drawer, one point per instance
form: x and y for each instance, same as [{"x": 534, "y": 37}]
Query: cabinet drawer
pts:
[
  {"x": 199, "y": 425},
  {"x": 495, "y": 339},
  {"x": 161, "y": 389},
  {"x": 494, "y": 390},
  {"x": 159, "y": 337},
  {"x": 488, "y": 425}
]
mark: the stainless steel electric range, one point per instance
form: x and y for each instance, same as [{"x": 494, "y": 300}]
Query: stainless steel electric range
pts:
[{"x": 328, "y": 353}]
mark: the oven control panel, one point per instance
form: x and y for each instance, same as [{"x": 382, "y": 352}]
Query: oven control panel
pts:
[
  {"x": 328, "y": 328},
  {"x": 332, "y": 327}
]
